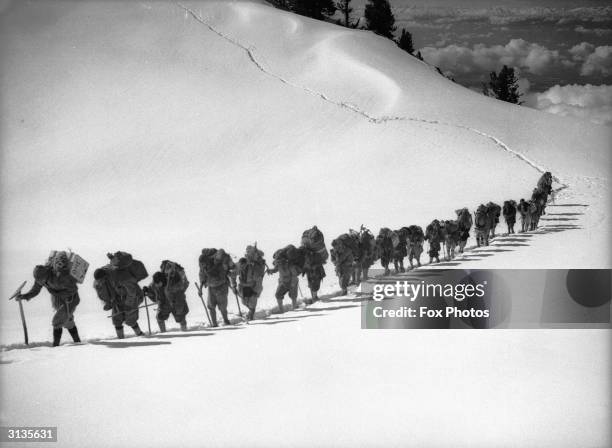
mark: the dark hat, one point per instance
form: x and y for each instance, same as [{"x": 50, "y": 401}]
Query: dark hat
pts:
[{"x": 100, "y": 273}]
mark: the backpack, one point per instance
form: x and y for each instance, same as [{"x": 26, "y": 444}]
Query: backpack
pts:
[
  {"x": 495, "y": 210},
  {"x": 346, "y": 242},
  {"x": 403, "y": 234},
  {"x": 254, "y": 255},
  {"x": 124, "y": 261},
  {"x": 367, "y": 242},
  {"x": 206, "y": 257},
  {"x": 356, "y": 247},
  {"x": 433, "y": 231},
  {"x": 509, "y": 208},
  {"x": 102, "y": 284},
  {"x": 313, "y": 240},
  {"x": 77, "y": 266},
  {"x": 415, "y": 234},
  {"x": 451, "y": 227},
  {"x": 481, "y": 219},
  {"x": 168, "y": 268},
  {"x": 386, "y": 233},
  {"x": 291, "y": 255}
]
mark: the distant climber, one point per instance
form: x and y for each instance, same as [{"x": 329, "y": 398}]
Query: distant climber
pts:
[
  {"x": 509, "y": 212},
  {"x": 415, "y": 238},
  {"x": 483, "y": 219},
  {"x": 434, "y": 235},
  {"x": 367, "y": 254},
  {"x": 545, "y": 183},
  {"x": 342, "y": 256},
  {"x": 464, "y": 221},
  {"x": 494, "y": 211},
  {"x": 523, "y": 210},
  {"x": 386, "y": 241},
  {"x": 315, "y": 256},
  {"x": 452, "y": 237},
  {"x": 400, "y": 251}
]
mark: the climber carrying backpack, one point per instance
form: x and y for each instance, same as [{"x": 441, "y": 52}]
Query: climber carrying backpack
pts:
[
  {"x": 315, "y": 256},
  {"x": 367, "y": 254},
  {"x": 118, "y": 281},
  {"x": 168, "y": 290},
  {"x": 342, "y": 254},
  {"x": 217, "y": 273},
  {"x": 289, "y": 263},
  {"x": 251, "y": 271}
]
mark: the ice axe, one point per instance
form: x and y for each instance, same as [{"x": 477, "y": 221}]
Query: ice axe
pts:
[
  {"x": 23, "y": 321},
  {"x": 199, "y": 288},
  {"x": 148, "y": 318},
  {"x": 237, "y": 302}
]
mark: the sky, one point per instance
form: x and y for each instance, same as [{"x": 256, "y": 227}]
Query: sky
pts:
[{"x": 560, "y": 49}]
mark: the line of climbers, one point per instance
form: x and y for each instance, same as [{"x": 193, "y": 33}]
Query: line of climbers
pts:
[{"x": 352, "y": 254}]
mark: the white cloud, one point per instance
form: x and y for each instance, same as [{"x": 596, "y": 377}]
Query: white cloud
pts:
[
  {"x": 531, "y": 57},
  {"x": 595, "y": 60},
  {"x": 414, "y": 24},
  {"x": 581, "y": 51},
  {"x": 597, "y": 31},
  {"x": 598, "y": 62},
  {"x": 475, "y": 35},
  {"x": 588, "y": 102},
  {"x": 506, "y": 15}
]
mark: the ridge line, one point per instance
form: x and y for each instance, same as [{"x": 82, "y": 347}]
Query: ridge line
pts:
[{"x": 250, "y": 51}]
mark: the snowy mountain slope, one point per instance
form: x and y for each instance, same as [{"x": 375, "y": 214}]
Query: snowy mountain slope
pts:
[
  {"x": 159, "y": 130},
  {"x": 389, "y": 83},
  {"x": 313, "y": 377},
  {"x": 163, "y": 128}
]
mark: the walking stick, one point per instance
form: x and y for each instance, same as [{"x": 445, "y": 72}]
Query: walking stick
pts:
[
  {"x": 199, "y": 288},
  {"x": 148, "y": 319},
  {"x": 117, "y": 312},
  {"x": 21, "y": 313},
  {"x": 238, "y": 303}
]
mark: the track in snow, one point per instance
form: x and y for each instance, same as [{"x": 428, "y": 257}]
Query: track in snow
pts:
[{"x": 250, "y": 51}]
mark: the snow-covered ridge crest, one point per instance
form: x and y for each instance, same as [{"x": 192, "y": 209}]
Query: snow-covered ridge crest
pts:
[{"x": 385, "y": 91}]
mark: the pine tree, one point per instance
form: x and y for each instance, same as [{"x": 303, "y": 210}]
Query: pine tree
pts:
[
  {"x": 379, "y": 18},
  {"x": 419, "y": 56},
  {"x": 504, "y": 86},
  {"x": 405, "y": 42},
  {"x": 282, "y": 4},
  {"x": 344, "y": 7},
  {"x": 316, "y": 9}
]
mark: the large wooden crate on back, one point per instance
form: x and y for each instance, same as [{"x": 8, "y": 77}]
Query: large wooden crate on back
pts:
[{"x": 77, "y": 266}]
